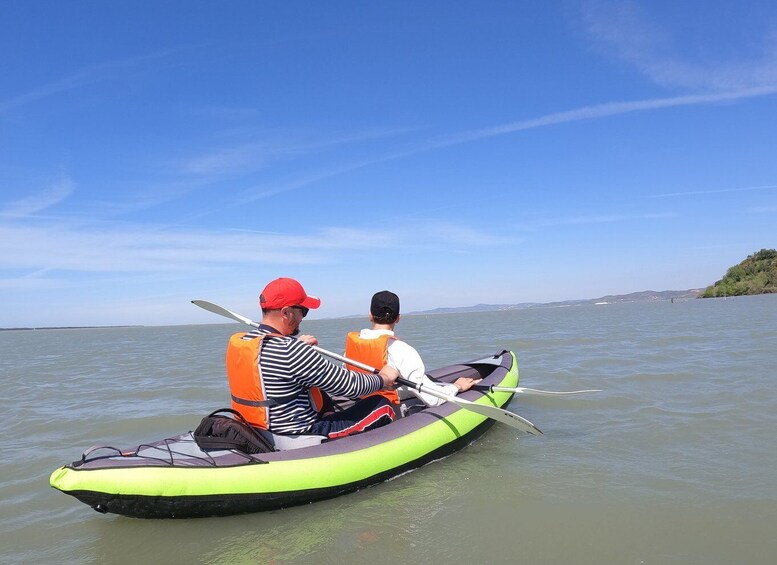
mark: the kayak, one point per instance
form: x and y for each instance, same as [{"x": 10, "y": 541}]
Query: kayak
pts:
[{"x": 175, "y": 478}]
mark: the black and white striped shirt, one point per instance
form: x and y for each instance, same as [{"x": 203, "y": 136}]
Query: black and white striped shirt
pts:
[{"x": 289, "y": 368}]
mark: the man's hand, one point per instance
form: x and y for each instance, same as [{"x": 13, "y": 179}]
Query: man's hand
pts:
[
  {"x": 309, "y": 339},
  {"x": 466, "y": 383},
  {"x": 389, "y": 376}
]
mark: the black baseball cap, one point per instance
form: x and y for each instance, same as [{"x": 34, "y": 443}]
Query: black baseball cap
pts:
[{"x": 384, "y": 304}]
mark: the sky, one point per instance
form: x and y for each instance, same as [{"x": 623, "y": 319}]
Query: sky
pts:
[{"x": 457, "y": 153}]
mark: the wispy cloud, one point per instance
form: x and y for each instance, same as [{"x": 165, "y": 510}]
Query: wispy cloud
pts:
[
  {"x": 441, "y": 233},
  {"x": 623, "y": 30},
  {"x": 254, "y": 155},
  {"x": 81, "y": 78},
  {"x": 603, "y": 111},
  {"x": 628, "y": 35},
  {"x": 232, "y": 160},
  {"x": 225, "y": 161},
  {"x": 629, "y": 32},
  {"x": 712, "y": 191},
  {"x": 143, "y": 249},
  {"x": 603, "y": 219},
  {"x": 254, "y": 193},
  {"x": 763, "y": 209},
  {"x": 34, "y": 203}
]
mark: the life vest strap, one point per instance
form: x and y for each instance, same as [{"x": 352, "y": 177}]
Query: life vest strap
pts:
[
  {"x": 255, "y": 403},
  {"x": 264, "y": 403}
]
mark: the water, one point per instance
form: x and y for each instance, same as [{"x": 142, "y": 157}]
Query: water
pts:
[{"x": 673, "y": 463}]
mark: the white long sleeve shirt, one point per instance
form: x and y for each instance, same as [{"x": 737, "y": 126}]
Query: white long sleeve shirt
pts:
[{"x": 405, "y": 359}]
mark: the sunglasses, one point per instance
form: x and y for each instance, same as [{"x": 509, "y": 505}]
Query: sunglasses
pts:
[{"x": 302, "y": 309}]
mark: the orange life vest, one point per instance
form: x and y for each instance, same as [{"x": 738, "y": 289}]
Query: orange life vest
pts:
[
  {"x": 245, "y": 382},
  {"x": 372, "y": 352}
]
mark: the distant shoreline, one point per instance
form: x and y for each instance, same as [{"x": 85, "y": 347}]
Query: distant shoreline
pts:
[
  {"x": 644, "y": 296},
  {"x": 66, "y": 328}
]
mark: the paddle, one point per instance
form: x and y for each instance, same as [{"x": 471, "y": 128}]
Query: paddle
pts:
[{"x": 486, "y": 410}]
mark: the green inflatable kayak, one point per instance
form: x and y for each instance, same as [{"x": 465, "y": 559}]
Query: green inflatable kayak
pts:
[{"x": 175, "y": 478}]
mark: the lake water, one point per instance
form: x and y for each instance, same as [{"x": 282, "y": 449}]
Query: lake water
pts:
[{"x": 674, "y": 462}]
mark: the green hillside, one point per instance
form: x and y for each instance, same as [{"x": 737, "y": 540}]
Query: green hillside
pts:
[{"x": 755, "y": 275}]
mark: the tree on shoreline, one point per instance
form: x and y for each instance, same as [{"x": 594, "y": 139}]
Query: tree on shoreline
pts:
[{"x": 755, "y": 275}]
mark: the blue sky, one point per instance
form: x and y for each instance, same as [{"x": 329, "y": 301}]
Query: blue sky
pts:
[{"x": 454, "y": 152}]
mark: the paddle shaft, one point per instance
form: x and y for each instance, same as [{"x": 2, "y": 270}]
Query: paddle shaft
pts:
[{"x": 400, "y": 380}]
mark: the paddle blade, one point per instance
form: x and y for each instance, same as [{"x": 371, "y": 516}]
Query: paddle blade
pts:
[
  {"x": 221, "y": 311},
  {"x": 509, "y": 418}
]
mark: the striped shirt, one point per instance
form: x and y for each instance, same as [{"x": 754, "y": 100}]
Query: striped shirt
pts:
[{"x": 289, "y": 368}]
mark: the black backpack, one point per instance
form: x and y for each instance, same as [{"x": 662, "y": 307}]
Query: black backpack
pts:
[{"x": 226, "y": 432}]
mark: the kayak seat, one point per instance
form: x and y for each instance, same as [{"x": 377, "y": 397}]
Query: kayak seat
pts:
[{"x": 283, "y": 442}]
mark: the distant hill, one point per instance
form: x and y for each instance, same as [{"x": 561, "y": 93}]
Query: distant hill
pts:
[
  {"x": 755, "y": 275},
  {"x": 478, "y": 308},
  {"x": 644, "y": 296}
]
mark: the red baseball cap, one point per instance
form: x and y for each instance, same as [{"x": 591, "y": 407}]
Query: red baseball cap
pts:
[{"x": 286, "y": 292}]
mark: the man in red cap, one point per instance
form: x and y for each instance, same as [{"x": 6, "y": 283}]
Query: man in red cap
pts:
[{"x": 274, "y": 375}]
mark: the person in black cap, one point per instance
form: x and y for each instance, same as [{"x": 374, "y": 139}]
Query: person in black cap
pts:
[{"x": 379, "y": 346}]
